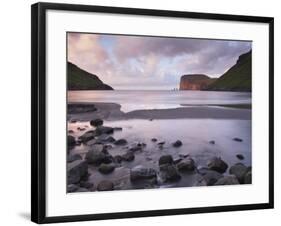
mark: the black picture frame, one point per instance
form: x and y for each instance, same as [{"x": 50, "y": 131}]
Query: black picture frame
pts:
[{"x": 38, "y": 110}]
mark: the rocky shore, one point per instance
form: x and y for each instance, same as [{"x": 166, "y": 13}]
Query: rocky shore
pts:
[{"x": 109, "y": 162}]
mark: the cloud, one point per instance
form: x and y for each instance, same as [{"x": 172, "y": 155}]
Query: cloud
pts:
[{"x": 151, "y": 61}]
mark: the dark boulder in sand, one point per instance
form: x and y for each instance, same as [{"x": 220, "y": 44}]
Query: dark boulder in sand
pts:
[
  {"x": 72, "y": 158},
  {"x": 89, "y": 135},
  {"x": 240, "y": 157},
  {"x": 106, "y": 168},
  {"x": 96, "y": 122},
  {"x": 128, "y": 157},
  {"x": 186, "y": 165},
  {"x": 76, "y": 171},
  {"x": 142, "y": 173},
  {"x": 98, "y": 155},
  {"x": 177, "y": 144},
  {"x": 210, "y": 176},
  {"x": 227, "y": 180},
  {"x": 120, "y": 142},
  {"x": 237, "y": 139},
  {"x": 104, "y": 130},
  {"x": 165, "y": 159},
  {"x": 71, "y": 140},
  {"x": 105, "y": 185},
  {"x": 218, "y": 165},
  {"x": 169, "y": 173},
  {"x": 239, "y": 170}
]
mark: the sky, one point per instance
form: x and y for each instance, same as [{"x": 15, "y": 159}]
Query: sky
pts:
[{"x": 143, "y": 62}]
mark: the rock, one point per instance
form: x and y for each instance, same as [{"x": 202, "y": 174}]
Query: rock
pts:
[
  {"x": 165, "y": 159},
  {"x": 81, "y": 129},
  {"x": 106, "y": 168},
  {"x": 105, "y": 185},
  {"x": 82, "y": 190},
  {"x": 183, "y": 155},
  {"x": 239, "y": 170},
  {"x": 85, "y": 184},
  {"x": 210, "y": 176},
  {"x": 151, "y": 119},
  {"x": 128, "y": 157},
  {"x": 136, "y": 148},
  {"x": 177, "y": 144},
  {"x": 120, "y": 142},
  {"x": 154, "y": 140},
  {"x": 177, "y": 160},
  {"x": 218, "y": 165},
  {"x": 89, "y": 135},
  {"x": 141, "y": 173},
  {"x": 237, "y": 139},
  {"x": 70, "y": 131},
  {"x": 104, "y": 130},
  {"x": 118, "y": 158},
  {"x": 71, "y": 158},
  {"x": 72, "y": 188},
  {"x": 71, "y": 140},
  {"x": 169, "y": 173},
  {"x": 240, "y": 157},
  {"x": 104, "y": 138},
  {"x": 97, "y": 155},
  {"x": 212, "y": 142},
  {"x": 161, "y": 143},
  {"x": 117, "y": 129},
  {"x": 248, "y": 178},
  {"x": 186, "y": 165},
  {"x": 227, "y": 180},
  {"x": 76, "y": 171},
  {"x": 96, "y": 122}
]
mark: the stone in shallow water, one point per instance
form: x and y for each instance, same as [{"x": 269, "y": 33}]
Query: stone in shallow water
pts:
[
  {"x": 169, "y": 173},
  {"x": 128, "y": 157},
  {"x": 106, "y": 168},
  {"x": 218, "y": 165},
  {"x": 210, "y": 176},
  {"x": 237, "y": 139},
  {"x": 239, "y": 170},
  {"x": 105, "y": 185},
  {"x": 177, "y": 144},
  {"x": 76, "y": 171},
  {"x": 142, "y": 173},
  {"x": 71, "y": 158},
  {"x": 248, "y": 177},
  {"x": 86, "y": 184},
  {"x": 240, "y": 157},
  {"x": 227, "y": 180},
  {"x": 165, "y": 159},
  {"x": 104, "y": 130},
  {"x": 120, "y": 142},
  {"x": 98, "y": 155},
  {"x": 212, "y": 142},
  {"x": 154, "y": 140},
  {"x": 72, "y": 188},
  {"x": 70, "y": 140},
  {"x": 89, "y": 135},
  {"x": 96, "y": 122},
  {"x": 186, "y": 165}
]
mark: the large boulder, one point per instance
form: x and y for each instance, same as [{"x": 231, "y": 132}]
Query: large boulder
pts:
[
  {"x": 96, "y": 122},
  {"x": 186, "y": 165},
  {"x": 106, "y": 168},
  {"x": 210, "y": 176},
  {"x": 165, "y": 159},
  {"x": 142, "y": 173},
  {"x": 177, "y": 144},
  {"x": 76, "y": 171},
  {"x": 218, "y": 165},
  {"x": 104, "y": 130},
  {"x": 105, "y": 185},
  {"x": 74, "y": 157},
  {"x": 239, "y": 170},
  {"x": 169, "y": 173},
  {"x": 104, "y": 138},
  {"x": 121, "y": 142},
  {"x": 89, "y": 135},
  {"x": 71, "y": 140},
  {"x": 227, "y": 180},
  {"x": 97, "y": 155},
  {"x": 128, "y": 157}
]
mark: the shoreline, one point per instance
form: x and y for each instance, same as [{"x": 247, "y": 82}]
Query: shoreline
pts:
[{"x": 112, "y": 111}]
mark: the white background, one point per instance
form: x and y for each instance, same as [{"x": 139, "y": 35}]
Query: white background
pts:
[{"x": 15, "y": 111}]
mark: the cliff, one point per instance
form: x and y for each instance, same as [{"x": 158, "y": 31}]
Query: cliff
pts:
[
  {"x": 195, "y": 82},
  {"x": 78, "y": 79},
  {"x": 237, "y": 78}
]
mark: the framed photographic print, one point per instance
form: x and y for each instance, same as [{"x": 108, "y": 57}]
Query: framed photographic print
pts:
[{"x": 141, "y": 112}]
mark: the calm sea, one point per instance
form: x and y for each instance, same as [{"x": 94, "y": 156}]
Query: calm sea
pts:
[{"x": 134, "y": 100}]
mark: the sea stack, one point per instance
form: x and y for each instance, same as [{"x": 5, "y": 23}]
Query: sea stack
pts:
[{"x": 195, "y": 82}]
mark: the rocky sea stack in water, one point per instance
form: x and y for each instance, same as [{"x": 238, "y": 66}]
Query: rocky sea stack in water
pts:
[
  {"x": 195, "y": 82},
  {"x": 78, "y": 79}
]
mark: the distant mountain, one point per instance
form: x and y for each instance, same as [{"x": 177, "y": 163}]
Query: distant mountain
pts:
[
  {"x": 237, "y": 78},
  {"x": 195, "y": 82},
  {"x": 78, "y": 79}
]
